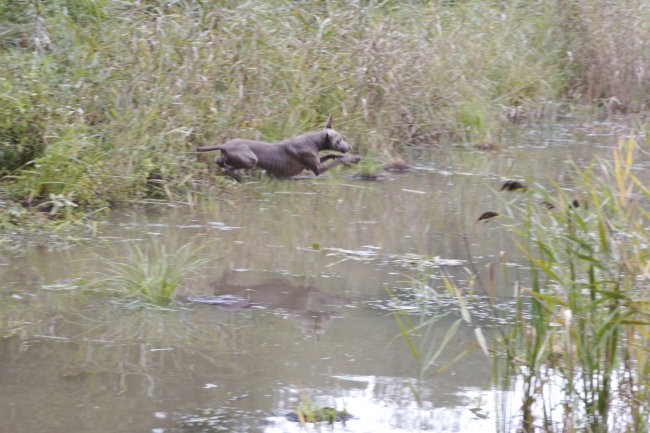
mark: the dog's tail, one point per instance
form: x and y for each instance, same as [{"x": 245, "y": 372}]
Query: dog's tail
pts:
[{"x": 209, "y": 148}]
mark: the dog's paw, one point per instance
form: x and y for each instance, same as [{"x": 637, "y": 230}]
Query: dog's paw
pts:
[{"x": 353, "y": 159}]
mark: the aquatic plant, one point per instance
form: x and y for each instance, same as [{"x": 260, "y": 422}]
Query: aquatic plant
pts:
[
  {"x": 586, "y": 322},
  {"x": 307, "y": 412},
  {"x": 428, "y": 337},
  {"x": 152, "y": 272},
  {"x": 575, "y": 346},
  {"x": 369, "y": 169}
]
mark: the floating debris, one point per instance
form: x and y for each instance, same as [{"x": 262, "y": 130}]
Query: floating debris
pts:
[
  {"x": 575, "y": 203},
  {"x": 351, "y": 253},
  {"x": 406, "y": 261},
  {"x": 224, "y": 301},
  {"x": 418, "y": 262},
  {"x": 487, "y": 216},
  {"x": 327, "y": 414},
  {"x": 488, "y": 147},
  {"x": 414, "y": 191},
  {"x": 209, "y": 420},
  {"x": 221, "y": 226},
  {"x": 397, "y": 165},
  {"x": 513, "y": 185}
]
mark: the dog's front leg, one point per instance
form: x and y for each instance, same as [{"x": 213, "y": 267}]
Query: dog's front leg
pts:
[
  {"x": 341, "y": 159},
  {"x": 331, "y": 156}
]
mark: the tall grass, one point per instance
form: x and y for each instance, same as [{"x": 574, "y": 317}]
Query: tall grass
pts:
[
  {"x": 151, "y": 274},
  {"x": 599, "y": 71},
  {"x": 575, "y": 346},
  {"x": 586, "y": 326},
  {"x": 103, "y": 101}
]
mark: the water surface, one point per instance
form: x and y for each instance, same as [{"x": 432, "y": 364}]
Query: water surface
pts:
[{"x": 313, "y": 270}]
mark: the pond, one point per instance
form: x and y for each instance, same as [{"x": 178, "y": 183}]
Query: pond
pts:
[{"x": 308, "y": 274}]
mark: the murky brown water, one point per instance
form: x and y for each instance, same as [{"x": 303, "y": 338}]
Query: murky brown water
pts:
[{"x": 307, "y": 265}]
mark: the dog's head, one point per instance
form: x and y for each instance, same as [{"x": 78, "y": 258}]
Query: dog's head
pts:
[{"x": 335, "y": 141}]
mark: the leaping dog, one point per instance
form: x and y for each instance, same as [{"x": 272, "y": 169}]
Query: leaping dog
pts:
[{"x": 285, "y": 158}]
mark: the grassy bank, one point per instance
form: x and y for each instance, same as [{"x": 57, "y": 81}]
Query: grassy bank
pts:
[{"x": 102, "y": 102}]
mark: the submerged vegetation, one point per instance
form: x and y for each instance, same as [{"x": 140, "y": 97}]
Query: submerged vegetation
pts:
[
  {"x": 577, "y": 348},
  {"x": 103, "y": 102}
]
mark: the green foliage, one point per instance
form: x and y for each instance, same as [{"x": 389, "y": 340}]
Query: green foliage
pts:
[
  {"x": 369, "y": 169},
  {"x": 579, "y": 332},
  {"x": 582, "y": 320},
  {"x": 306, "y": 412},
  {"x": 428, "y": 340},
  {"x": 474, "y": 122},
  {"x": 123, "y": 91},
  {"x": 24, "y": 118},
  {"x": 588, "y": 318},
  {"x": 152, "y": 274}
]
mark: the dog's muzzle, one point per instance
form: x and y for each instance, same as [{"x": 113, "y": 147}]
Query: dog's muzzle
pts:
[{"x": 343, "y": 147}]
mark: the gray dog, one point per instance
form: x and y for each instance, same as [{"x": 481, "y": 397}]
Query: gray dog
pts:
[{"x": 286, "y": 158}]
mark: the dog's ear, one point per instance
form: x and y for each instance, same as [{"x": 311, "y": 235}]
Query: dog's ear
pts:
[{"x": 328, "y": 125}]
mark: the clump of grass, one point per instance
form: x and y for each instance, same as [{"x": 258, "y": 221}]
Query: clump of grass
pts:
[
  {"x": 152, "y": 272},
  {"x": 306, "y": 412},
  {"x": 369, "y": 169}
]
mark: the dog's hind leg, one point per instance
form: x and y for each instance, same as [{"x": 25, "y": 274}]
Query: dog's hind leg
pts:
[
  {"x": 228, "y": 169},
  {"x": 236, "y": 158},
  {"x": 232, "y": 173}
]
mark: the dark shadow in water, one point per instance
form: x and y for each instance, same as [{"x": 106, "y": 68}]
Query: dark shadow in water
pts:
[{"x": 310, "y": 308}]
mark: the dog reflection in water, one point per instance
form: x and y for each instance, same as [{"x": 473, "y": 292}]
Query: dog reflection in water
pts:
[{"x": 308, "y": 307}]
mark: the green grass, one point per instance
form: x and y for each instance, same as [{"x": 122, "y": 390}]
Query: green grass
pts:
[
  {"x": 102, "y": 102},
  {"x": 369, "y": 169},
  {"x": 151, "y": 274},
  {"x": 578, "y": 338},
  {"x": 589, "y": 314},
  {"x": 307, "y": 412}
]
